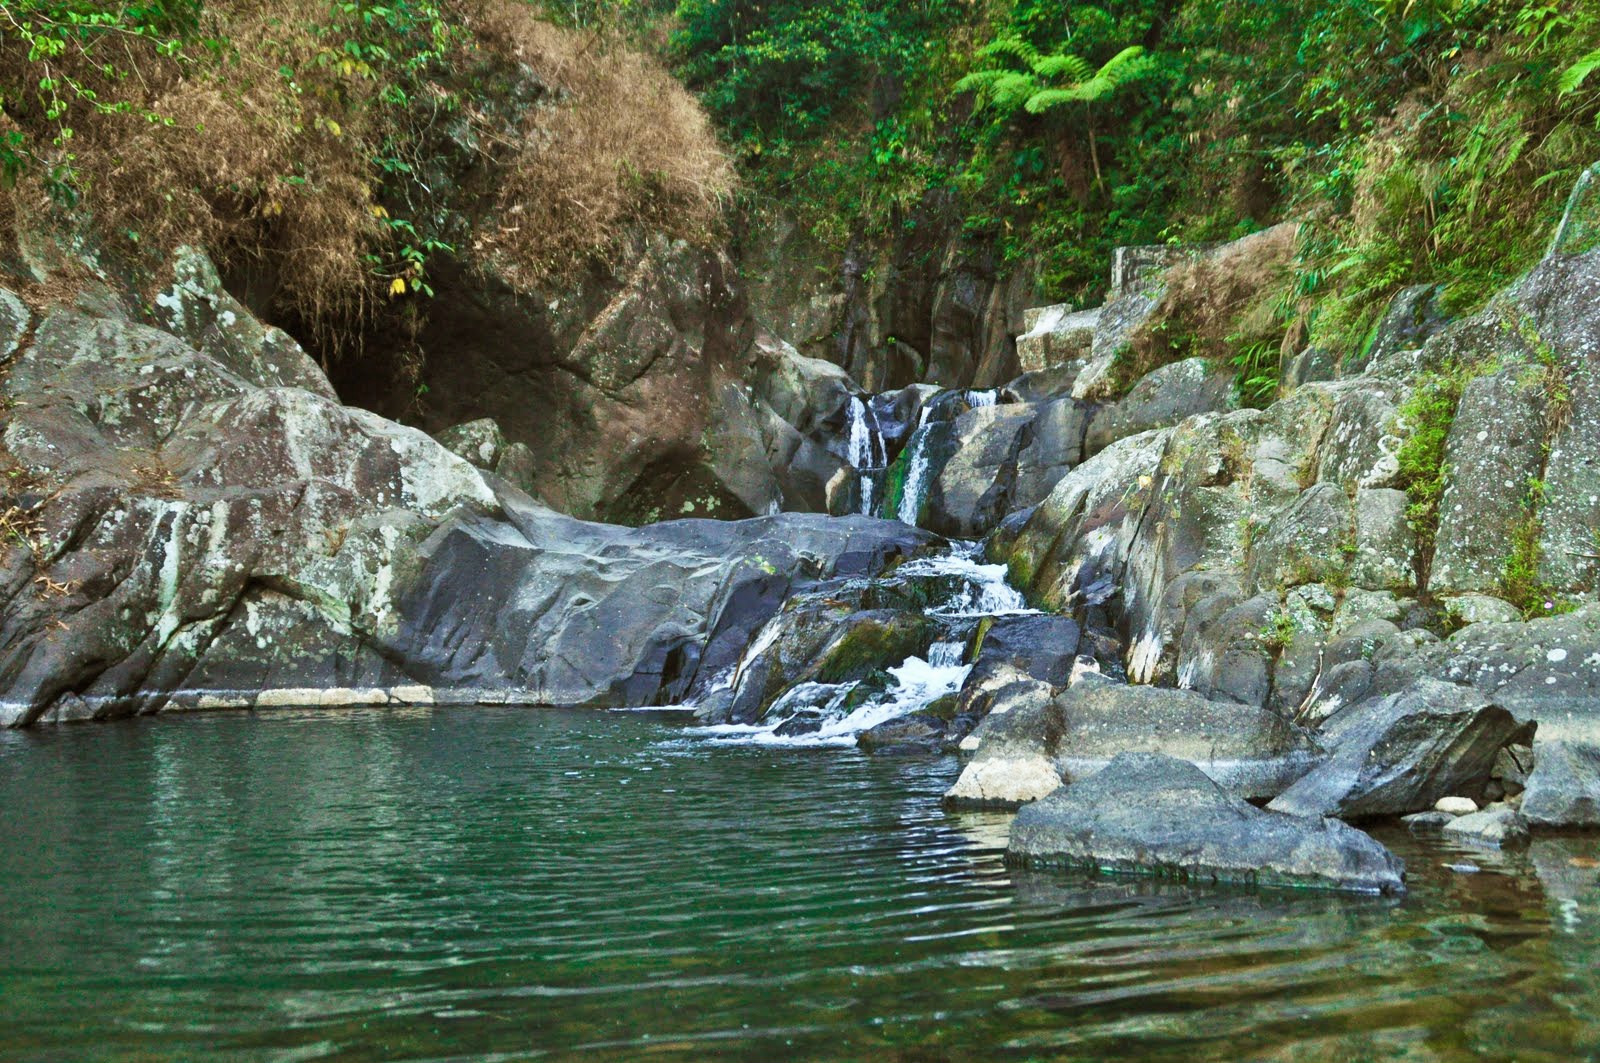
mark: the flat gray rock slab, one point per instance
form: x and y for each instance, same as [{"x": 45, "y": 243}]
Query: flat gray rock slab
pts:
[{"x": 1149, "y": 814}]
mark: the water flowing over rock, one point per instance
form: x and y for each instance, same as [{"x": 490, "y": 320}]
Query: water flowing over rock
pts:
[
  {"x": 1149, "y": 814},
  {"x": 875, "y": 661}
]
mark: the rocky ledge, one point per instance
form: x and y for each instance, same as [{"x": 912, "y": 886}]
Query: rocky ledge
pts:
[
  {"x": 1145, "y": 813},
  {"x": 195, "y": 521}
]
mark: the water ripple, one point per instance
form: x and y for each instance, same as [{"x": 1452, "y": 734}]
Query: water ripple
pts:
[{"x": 501, "y": 884}]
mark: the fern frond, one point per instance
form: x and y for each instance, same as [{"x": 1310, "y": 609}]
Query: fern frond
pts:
[
  {"x": 1126, "y": 65},
  {"x": 1015, "y": 47},
  {"x": 1012, "y": 90},
  {"x": 980, "y": 80},
  {"x": 1068, "y": 66},
  {"x": 1048, "y": 99},
  {"x": 1575, "y": 74}
]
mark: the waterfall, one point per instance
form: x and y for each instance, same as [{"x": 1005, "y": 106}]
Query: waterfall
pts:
[
  {"x": 919, "y": 476},
  {"x": 866, "y": 452},
  {"x": 835, "y": 714},
  {"x": 980, "y": 399},
  {"x": 859, "y": 446},
  {"x": 983, "y": 590}
]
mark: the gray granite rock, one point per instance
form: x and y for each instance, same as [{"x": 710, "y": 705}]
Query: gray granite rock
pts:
[{"x": 1149, "y": 814}]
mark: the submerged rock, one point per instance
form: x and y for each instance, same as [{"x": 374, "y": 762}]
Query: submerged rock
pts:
[
  {"x": 1149, "y": 814},
  {"x": 1493, "y": 828}
]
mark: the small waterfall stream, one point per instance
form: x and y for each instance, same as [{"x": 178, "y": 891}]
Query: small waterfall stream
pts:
[
  {"x": 866, "y": 452},
  {"x": 836, "y": 714},
  {"x": 888, "y": 448},
  {"x": 919, "y": 474}
]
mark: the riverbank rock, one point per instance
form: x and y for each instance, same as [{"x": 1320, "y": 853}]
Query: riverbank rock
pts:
[
  {"x": 1403, "y": 753},
  {"x": 1251, "y": 752},
  {"x": 207, "y": 527},
  {"x": 545, "y": 609},
  {"x": 1149, "y": 814}
]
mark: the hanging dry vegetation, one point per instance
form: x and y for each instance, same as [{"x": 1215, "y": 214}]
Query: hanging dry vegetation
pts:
[{"x": 317, "y": 141}]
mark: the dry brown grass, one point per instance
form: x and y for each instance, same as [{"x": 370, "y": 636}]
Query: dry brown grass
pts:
[
  {"x": 1216, "y": 302},
  {"x": 280, "y": 176},
  {"x": 618, "y": 143}
]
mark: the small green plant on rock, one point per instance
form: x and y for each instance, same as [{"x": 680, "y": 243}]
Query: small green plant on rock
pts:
[
  {"x": 1278, "y": 631},
  {"x": 1428, "y": 414},
  {"x": 1521, "y": 583}
]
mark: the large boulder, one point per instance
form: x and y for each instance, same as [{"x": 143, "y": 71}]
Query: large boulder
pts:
[
  {"x": 1400, "y": 754},
  {"x": 1016, "y": 743},
  {"x": 973, "y": 489},
  {"x": 1149, "y": 814},
  {"x": 174, "y": 496},
  {"x": 1252, "y": 752},
  {"x": 1056, "y": 336},
  {"x": 1163, "y": 397},
  {"x": 545, "y": 609}
]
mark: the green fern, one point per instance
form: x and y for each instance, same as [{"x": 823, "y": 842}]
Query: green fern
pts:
[
  {"x": 1060, "y": 65},
  {"x": 1008, "y": 89},
  {"x": 1575, "y": 74}
]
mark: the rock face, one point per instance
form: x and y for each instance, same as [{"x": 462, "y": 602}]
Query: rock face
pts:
[
  {"x": 933, "y": 308},
  {"x": 197, "y": 522},
  {"x": 1149, "y": 814}
]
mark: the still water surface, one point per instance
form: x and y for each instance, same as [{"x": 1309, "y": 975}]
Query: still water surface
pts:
[{"x": 470, "y": 883}]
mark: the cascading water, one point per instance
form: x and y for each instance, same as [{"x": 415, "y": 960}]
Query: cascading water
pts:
[
  {"x": 919, "y": 475},
  {"x": 859, "y": 444},
  {"x": 866, "y": 452},
  {"x": 836, "y": 714}
]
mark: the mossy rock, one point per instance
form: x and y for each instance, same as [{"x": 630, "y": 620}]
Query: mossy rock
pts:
[
  {"x": 866, "y": 690},
  {"x": 943, "y": 708},
  {"x": 872, "y": 642}
]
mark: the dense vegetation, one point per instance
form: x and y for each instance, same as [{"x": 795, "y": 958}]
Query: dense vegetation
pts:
[
  {"x": 1425, "y": 140},
  {"x": 1419, "y": 140}
]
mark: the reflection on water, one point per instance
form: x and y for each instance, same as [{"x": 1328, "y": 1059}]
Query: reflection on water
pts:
[{"x": 460, "y": 883}]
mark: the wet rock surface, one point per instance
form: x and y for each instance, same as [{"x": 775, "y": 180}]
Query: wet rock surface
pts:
[{"x": 1149, "y": 814}]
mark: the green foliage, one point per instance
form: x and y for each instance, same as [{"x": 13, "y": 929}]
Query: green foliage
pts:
[
  {"x": 1432, "y": 140},
  {"x": 1575, "y": 75},
  {"x": 60, "y": 38},
  {"x": 1258, "y": 365},
  {"x": 1278, "y": 633},
  {"x": 1026, "y": 80},
  {"x": 1521, "y": 582},
  {"x": 1428, "y": 415}
]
